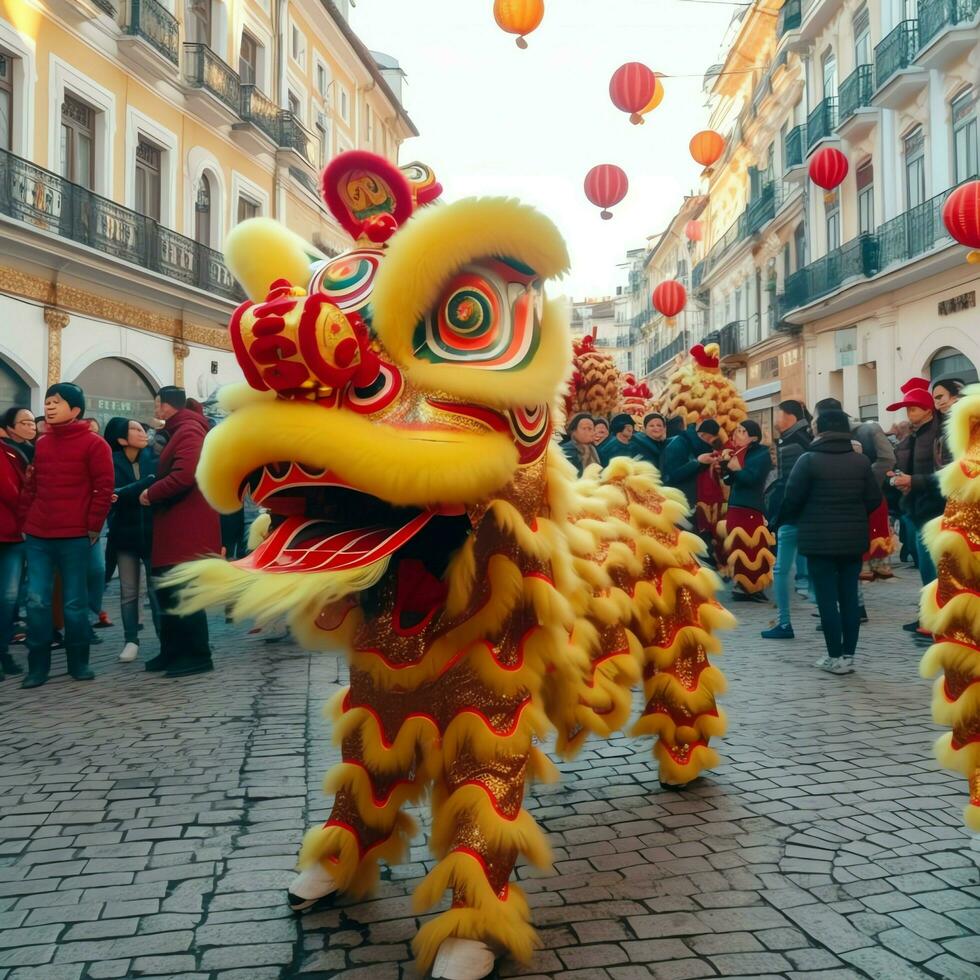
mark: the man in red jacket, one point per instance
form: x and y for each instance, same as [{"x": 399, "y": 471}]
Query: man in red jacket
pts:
[
  {"x": 12, "y": 470},
  {"x": 184, "y": 527},
  {"x": 66, "y": 497}
]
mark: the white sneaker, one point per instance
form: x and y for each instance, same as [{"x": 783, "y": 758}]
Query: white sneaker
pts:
[
  {"x": 129, "y": 653},
  {"x": 463, "y": 959},
  {"x": 309, "y": 886},
  {"x": 839, "y": 665},
  {"x": 823, "y": 662},
  {"x": 848, "y": 664}
]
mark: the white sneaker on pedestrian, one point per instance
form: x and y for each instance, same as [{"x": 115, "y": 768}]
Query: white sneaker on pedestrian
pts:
[
  {"x": 822, "y": 662},
  {"x": 309, "y": 886},
  {"x": 463, "y": 959},
  {"x": 129, "y": 653},
  {"x": 848, "y": 663},
  {"x": 839, "y": 665}
]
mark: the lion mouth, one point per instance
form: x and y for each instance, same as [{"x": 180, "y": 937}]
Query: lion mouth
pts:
[{"x": 322, "y": 524}]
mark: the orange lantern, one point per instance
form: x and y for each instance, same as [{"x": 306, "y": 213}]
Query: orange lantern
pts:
[
  {"x": 518, "y": 17},
  {"x": 693, "y": 231},
  {"x": 656, "y": 98},
  {"x": 706, "y": 147}
]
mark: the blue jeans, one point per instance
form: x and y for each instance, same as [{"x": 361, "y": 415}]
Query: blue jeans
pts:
[
  {"x": 836, "y": 583},
  {"x": 927, "y": 567},
  {"x": 70, "y": 558},
  {"x": 11, "y": 571},
  {"x": 96, "y": 576},
  {"x": 786, "y": 555}
]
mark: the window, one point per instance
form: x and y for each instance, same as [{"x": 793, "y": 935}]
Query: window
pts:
[
  {"x": 148, "y": 156},
  {"x": 833, "y": 222},
  {"x": 321, "y": 79},
  {"x": 866, "y": 197},
  {"x": 6, "y": 102},
  {"x": 77, "y": 141},
  {"x": 248, "y": 59},
  {"x": 202, "y": 211},
  {"x": 787, "y": 262},
  {"x": 294, "y": 104},
  {"x": 297, "y": 45},
  {"x": 247, "y": 208},
  {"x": 199, "y": 21},
  {"x": 964, "y": 112},
  {"x": 910, "y": 9},
  {"x": 915, "y": 168},
  {"x": 344, "y": 105},
  {"x": 323, "y": 138},
  {"x": 861, "y": 26},
  {"x": 829, "y": 64},
  {"x": 368, "y": 124},
  {"x": 799, "y": 245}
]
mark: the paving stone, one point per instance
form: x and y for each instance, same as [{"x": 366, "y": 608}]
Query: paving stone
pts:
[{"x": 882, "y": 964}]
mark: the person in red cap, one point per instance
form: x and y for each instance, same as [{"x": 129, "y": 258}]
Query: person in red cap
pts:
[{"x": 914, "y": 475}]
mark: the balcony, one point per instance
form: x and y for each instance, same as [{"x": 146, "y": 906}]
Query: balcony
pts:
[
  {"x": 896, "y": 79},
  {"x": 214, "y": 88},
  {"x": 855, "y": 117},
  {"x": 261, "y": 123},
  {"x": 912, "y": 233},
  {"x": 150, "y": 38},
  {"x": 297, "y": 140},
  {"x": 737, "y": 231},
  {"x": 794, "y": 156},
  {"x": 45, "y": 201},
  {"x": 821, "y": 124},
  {"x": 79, "y": 11},
  {"x": 946, "y": 31},
  {"x": 790, "y": 17},
  {"x": 858, "y": 257},
  {"x": 731, "y": 338},
  {"x": 677, "y": 346},
  {"x": 761, "y": 210}
]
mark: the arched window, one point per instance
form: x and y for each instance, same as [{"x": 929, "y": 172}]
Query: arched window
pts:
[
  {"x": 13, "y": 389},
  {"x": 202, "y": 211},
  {"x": 963, "y": 111},
  {"x": 114, "y": 387},
  {"x": 948, "y": 362}
]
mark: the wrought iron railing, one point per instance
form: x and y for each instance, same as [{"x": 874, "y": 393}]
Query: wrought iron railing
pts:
[
  {"x": 295, "y": 136},
  {"x": 737, "y": 231},
  {"x": 109, "y": 6},
  {"x": 855, "y": 92},
  {"x": 821, "y": 122},
  {"x": 731, "y": 338},
  {"x": 858, "y": 257},
  {"x": 934, "y": 15},
  {"x": 204, "y": 69},
  {"x": 657, "y": 359},
  {"x": 790, "y": 17},
  {"x": 896, "y": 51},
  {"x": 44, "y": 200},
  {"x": 697, "y": 274},
  {"x": 912, "y": 232},
  {"x": 261, "y": 111},
  {"x": 761, "y": 210},
  {"x": 793, "y": 147},
  {"x": 157, "y": 26}
]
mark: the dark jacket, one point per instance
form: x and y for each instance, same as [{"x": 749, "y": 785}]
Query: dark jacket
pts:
[
  {"x": 613, "y": 448},
  {"x": 649, "y": 450},
  {"x": 749, "y": 482},
  {"x": 130, "y": 523},
  {"x": 917, "y": 457},
  {"x": 680, "y": 463},
  {"x": 25, "y": 449},
  {"x": 12, "y": 470},
  {"x": 829, "y": 495},
  {"x": 184, "y": 525},
  {"x": 68, "y": 490},
  {"x": 874, "y": 445},
  {"x": 571, "y": 450},
  {"x": 790, "y": 446}
]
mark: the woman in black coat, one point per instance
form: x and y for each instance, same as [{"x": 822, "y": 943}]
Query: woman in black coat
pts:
[
  {"x": 130, "y": 524},
  {"x": 829, "y": 495},
  {"x": 748, "y": 540}
]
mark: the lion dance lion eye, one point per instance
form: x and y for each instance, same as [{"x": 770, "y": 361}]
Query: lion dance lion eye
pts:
[
  {"x": 484, "y": 318},
  {"x": 347, "y": 281},
  {"x": 378, "y": 395}
]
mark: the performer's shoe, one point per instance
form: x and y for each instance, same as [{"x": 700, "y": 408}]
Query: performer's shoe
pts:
[
  {"x": 822, "y": 662},
  {"x": 463, "y": 959},
  {"x": 779, "y": 632},
  {"x": 839, "y": 665},
  {"x": 309, "y": 887}
]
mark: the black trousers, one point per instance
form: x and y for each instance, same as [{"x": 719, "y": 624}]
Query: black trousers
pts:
[
  {"x": 835, "y": 582},
  {"x": 182, "y": 638}
]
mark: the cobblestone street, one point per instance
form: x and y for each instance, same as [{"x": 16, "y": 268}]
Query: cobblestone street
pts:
[{"x": 148, "y": 827}]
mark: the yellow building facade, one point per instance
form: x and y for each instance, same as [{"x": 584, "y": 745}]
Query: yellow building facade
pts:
[{"x": 133, "y": 135}]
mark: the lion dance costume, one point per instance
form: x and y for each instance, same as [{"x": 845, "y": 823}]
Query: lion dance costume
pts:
[
  {"x": 398, "y": 424},
  {"x": 950, "y": 606}
]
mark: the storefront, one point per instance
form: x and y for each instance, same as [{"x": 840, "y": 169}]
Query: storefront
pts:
[
  {"x": 948, "y": 362},
  {"x": 113, "y": 387}
]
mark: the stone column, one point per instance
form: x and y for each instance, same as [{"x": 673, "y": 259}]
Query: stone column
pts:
[
  {"x": 181, "y": 351},
  {"x": 56, "y": 320}
]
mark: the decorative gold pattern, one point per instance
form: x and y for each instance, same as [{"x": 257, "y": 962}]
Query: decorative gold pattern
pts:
[
  {"x": 56, "y": 320},
  {"x": 181, "y": 352}
]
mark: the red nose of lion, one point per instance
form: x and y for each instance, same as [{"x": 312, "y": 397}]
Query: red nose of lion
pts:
[{"x": 301, "y": 345}]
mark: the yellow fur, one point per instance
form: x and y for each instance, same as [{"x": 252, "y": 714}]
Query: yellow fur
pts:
[{"x": 259, "y": 251}]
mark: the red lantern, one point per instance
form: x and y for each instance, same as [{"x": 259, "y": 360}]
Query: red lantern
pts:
[
  {"x": 693, "y": 231},
  {"x": 606, "y": 185},
  {"x": 669, "y": 298},
  {"x": 632, "y": 88},
  {"x": 828, "y": 168},
  {"x": 961, "y": 216},
  {"x": 706, "y": 147}
]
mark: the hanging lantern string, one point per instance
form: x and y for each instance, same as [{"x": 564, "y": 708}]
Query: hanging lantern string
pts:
[{"x": 733, "y": 3}]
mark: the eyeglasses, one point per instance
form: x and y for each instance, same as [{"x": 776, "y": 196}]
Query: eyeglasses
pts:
[{"x": 28, "y": 422}]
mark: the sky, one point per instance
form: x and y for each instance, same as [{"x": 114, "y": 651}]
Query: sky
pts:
[{"x": 497, "y": 120}]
